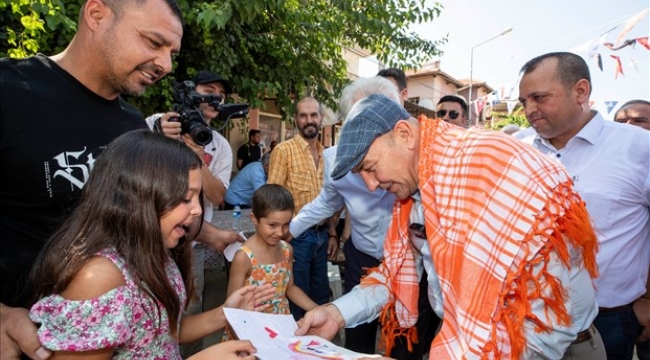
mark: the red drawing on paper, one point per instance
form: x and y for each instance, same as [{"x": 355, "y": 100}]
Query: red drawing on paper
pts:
[{"x": 272, "y": 334}]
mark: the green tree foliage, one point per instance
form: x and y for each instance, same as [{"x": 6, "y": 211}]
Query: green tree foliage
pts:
[
  {"x": 500, "y": 120},
  {"x": 269, "y": 49}
]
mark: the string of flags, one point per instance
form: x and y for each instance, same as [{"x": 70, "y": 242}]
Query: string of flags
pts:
[
  {"x": 594, "y": 48},
  {"x": 606, "y": 107}
]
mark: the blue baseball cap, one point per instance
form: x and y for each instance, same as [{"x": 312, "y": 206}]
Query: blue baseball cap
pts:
[{"x": 368, "y": 119}]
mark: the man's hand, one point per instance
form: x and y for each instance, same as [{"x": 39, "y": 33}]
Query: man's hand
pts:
[
  {"x": 332, "y": 248},
  {"x": 288, "y": 237},
  {"x": 642, "y": 311},
  {"x": 324, "y": 321},
  {"x": 171, "y": 129},
  {"x": 225, "y": 238},
  {"x": 227, "y": 350},
  {"x": 217, "y": 238},
  {"x": 18, "y": 335}
]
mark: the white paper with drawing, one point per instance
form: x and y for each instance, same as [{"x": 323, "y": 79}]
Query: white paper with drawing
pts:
[{"x": 273, "y": 337}]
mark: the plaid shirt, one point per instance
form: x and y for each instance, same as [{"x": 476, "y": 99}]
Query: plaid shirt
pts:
[{"x": 292, "y": 166}]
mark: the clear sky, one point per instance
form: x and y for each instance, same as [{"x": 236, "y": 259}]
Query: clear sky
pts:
[{"x": 541, "y": 26}]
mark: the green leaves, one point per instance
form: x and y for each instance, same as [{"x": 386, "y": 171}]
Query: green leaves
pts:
[
  {"x": 268, "y": 49},
  {"x": 25, "y": 33},
  {"x": 214, "y": 16}
]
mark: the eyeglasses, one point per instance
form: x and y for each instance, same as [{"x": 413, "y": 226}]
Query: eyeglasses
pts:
[{"x": 453, "y": 114}]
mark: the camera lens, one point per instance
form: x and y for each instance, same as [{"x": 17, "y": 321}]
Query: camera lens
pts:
[{"x": 201, "y": 134}]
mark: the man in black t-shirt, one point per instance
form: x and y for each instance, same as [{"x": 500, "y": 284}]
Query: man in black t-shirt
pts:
[
  {"x": 251, "y": 151},
  {"x": 57, "y": 114}
]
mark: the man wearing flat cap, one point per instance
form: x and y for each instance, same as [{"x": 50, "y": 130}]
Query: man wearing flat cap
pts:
[
  {"x": 503, "y": 236},
  {"x": 217, "y": 158}
]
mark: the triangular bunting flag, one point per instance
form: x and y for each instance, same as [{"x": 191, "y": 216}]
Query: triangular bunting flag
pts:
[
  {"x": 480, "y": 103},
  {"x": 643, "y": 41},
  {"x": 619, "y": 66},
  {"x": 599, "y": 60},
  {"x": 511, "y": 106},
  {"x": 610, "y": 105},
  {"x": 591, "y": 104}
]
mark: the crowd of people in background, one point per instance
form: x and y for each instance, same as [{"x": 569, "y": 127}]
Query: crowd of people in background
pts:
[{"x": 459, "y": 242}]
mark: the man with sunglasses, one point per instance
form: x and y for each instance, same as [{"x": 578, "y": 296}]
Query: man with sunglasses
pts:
[{"x": 453, "y": 109}]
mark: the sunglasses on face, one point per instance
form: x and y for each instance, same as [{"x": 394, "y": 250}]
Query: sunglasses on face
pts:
[{"x": 453, "y": 114}]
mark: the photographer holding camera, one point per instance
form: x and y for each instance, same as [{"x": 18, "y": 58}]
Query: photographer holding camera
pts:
[{"x": 189, "y": 123}]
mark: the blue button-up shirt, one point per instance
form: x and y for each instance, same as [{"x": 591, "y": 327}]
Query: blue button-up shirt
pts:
[{"x": 242, "y": 187}]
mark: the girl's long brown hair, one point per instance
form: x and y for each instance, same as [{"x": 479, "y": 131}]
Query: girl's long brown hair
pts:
[{"x": 138, "y": 178}]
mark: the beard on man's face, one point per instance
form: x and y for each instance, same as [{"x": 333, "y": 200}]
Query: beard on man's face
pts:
[{"x": 309, "y": 130}]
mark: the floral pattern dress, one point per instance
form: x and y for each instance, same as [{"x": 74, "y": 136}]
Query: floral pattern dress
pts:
[
  {"x": 276, "y": 274},
  {"x": 125, "y": 319}
]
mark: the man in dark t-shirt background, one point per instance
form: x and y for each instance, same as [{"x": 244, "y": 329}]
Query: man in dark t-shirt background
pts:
[
  {"x": 251, "y": 151},
  {"x": 57, "y": 114}
]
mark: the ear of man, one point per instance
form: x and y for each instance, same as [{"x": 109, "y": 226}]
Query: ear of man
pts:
[
  {"x": 94, "y": 13},
  {"x": 582, "y": 89},
  {"x": 405, "y": 133}
]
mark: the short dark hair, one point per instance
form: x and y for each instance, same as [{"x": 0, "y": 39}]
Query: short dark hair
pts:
[
  {"x": 253, "y": 132},
  {"x": 571, "y": 68},
  {"x": 632, "y": 102},
  {"x": 395, "y": 73},
  {"x": 457, "y": 99},
  {"x": 118, "y": 6},
  {"x": 271, "y": 197}
]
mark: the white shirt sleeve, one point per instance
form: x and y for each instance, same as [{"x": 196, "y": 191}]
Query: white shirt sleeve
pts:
[
  {"x": 222, "y": 166},
  {"x": 363, "y": 304},
  {"x": 151, "y": 120}
]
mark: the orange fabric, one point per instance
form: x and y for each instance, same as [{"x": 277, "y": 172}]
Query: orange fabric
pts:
[
  {"x": 399, "y": 318},
  {"x": 494, "y": 208}
]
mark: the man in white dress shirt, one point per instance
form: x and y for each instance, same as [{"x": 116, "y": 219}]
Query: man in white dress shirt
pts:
[{"x": 610, "y": 167}]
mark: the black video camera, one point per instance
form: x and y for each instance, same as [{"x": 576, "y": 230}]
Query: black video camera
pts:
[{"x": 186, "y": 103}]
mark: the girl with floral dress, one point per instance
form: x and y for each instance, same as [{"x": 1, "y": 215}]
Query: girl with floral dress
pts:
[
  {"x": 265, "y": 258},
  {"x": 112, "y": 280}
]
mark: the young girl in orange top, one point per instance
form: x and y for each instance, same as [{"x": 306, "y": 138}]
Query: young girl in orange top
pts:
[{"x": 265, "y": 258}]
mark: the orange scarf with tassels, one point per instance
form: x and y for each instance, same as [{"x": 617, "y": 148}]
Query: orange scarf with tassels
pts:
[{"x": 494, "y": 208}]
